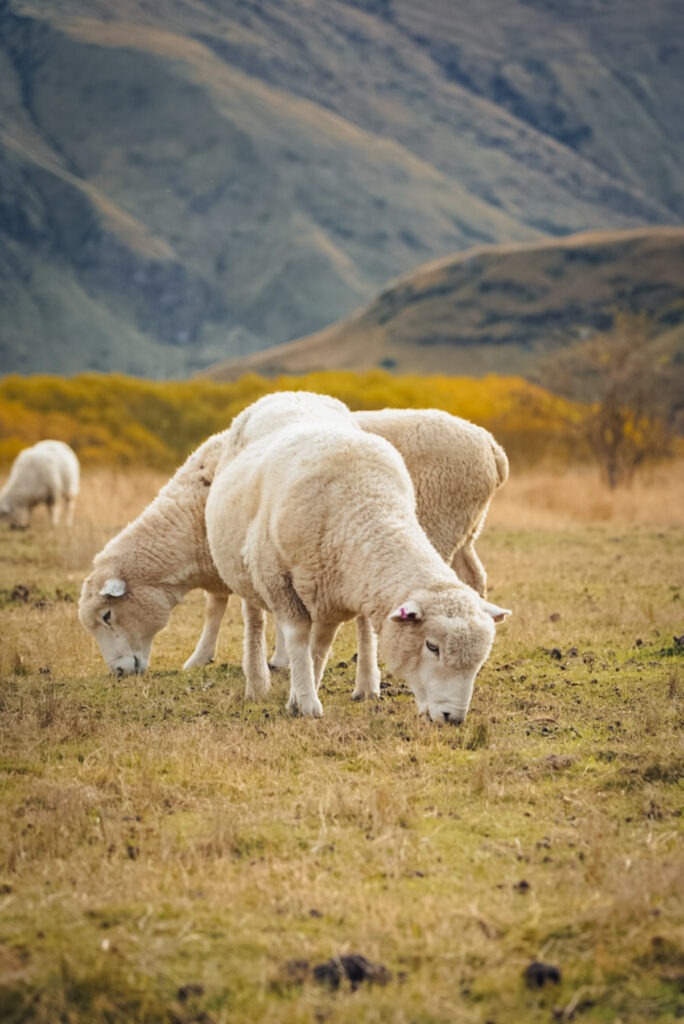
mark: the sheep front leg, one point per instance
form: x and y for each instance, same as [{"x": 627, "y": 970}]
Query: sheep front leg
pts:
[
  {"x": 215, "y": 606},
  {"x": 303, "y": 697},
  {"x": 367, "y": 671},
  {"x": 322, "y": 638},
  {"x": 254, "y": 663}
]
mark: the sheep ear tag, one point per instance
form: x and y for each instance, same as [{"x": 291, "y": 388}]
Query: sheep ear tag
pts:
[
  {"x": 498, "y": 614},
  {"x": 409, "y": 611},
  {"x": 113, "y": 588}
]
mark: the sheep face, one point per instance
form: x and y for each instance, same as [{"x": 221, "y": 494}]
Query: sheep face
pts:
[
  {"x": 438, "y": 642},
  {"x": 124, "y": 620},
  {"x": 18, "y": 516}
]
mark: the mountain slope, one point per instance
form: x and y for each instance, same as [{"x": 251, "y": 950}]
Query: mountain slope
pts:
[
  {"x": 204, "y": 180},
  {"x": 497, "y": 309}
]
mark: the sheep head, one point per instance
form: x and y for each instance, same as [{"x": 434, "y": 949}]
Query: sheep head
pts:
[
  {"x": 124, "y": 618},
  {"x": 437, "y": 640}
]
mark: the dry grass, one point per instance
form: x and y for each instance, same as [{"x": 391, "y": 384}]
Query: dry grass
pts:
[
  {"x": 167, "y": 850},
  {"x": 572, "y": 497}
]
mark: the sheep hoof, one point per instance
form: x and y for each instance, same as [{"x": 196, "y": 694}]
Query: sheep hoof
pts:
[
  {"x": 309, "y": 707},
  {"x": 360, "y": 693},
  {"x": 256, "y": 692}
]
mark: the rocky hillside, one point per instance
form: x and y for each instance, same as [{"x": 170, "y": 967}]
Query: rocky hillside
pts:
[
  {"x": 499, "y": 308},
  {"x": 189, "y": 180}
]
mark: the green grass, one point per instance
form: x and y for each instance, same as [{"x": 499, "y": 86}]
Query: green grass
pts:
[{"x": 168, "y": 850}]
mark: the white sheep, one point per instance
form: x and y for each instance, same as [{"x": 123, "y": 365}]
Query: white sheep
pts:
[
  {"x": 46, "y": 473},
  {"x": 147, "y": 568},
  {"x": 456, "y": 467},
  {"x": 316, "y": 523}
]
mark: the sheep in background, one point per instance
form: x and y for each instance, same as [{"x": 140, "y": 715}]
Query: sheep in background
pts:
[
  {"x": 316, "y": 523},
  {"x": 47, "y": 473}
]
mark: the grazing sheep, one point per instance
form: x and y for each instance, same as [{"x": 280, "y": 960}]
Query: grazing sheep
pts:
[
  {"x": 455, "y": 465},
  {"x": 143, "y": 572},
  {"x": 146, "y": 570},
  {"x": 316, "y": 523},
  {"x": 47, "y": 473}
]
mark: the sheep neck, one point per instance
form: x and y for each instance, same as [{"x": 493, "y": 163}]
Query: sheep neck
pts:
[
  {"x": 396, "y": 562},
  {"x": 168, "y": 542}
]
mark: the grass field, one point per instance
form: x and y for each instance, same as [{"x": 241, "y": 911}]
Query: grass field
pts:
[{"x": 169, "y": 853}]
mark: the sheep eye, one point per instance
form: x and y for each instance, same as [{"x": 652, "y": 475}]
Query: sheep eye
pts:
[
  {"x": 107, "y": 616},
  {"x": 433, "y": 648}
]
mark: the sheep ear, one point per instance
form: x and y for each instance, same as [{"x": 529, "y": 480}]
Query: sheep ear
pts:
[
  {"x": 498, "y": 614},
  {"x": 113, "y": 588},
  {"x": 409, "y": 611}
]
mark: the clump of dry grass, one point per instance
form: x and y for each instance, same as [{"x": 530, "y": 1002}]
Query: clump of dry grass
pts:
[
  {"x": 564, "y": 497},
  {"x": 167, "y": 848}
]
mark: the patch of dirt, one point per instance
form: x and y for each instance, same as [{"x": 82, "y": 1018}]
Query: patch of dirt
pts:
[{"x": 353, "y": 968}]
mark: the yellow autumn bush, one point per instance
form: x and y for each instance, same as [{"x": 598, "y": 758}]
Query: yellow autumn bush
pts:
[{"x": 117, "y": 420}]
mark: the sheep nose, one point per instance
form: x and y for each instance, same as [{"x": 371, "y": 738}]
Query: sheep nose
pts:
[
  {"x": 119, "y": 672},
  {"x": 453, "y": 719}
]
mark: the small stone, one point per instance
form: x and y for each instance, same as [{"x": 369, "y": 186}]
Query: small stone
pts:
[{"x": 538, "y": 974}]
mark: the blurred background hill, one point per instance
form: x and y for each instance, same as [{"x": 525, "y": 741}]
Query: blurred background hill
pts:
[{"x": 190, "y": 182}]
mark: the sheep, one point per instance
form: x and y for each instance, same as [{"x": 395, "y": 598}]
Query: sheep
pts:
[
  {"x": 46, "y": 473},
  {"x": 456, "y": 467},
  {"x": 149, "y": 566},
  {"x": 316, "y": 523}
]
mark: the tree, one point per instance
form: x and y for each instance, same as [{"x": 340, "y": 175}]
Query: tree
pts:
[{"x": 628, "y": 385}]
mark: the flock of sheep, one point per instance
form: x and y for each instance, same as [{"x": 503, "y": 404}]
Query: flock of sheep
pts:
[{"x": 317, "y": 515}]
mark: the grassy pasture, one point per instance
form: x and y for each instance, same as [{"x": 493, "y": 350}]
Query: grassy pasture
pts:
[{"x": 169, "y": 853}]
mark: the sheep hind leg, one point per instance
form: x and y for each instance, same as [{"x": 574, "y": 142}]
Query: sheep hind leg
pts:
[
  {"x": 215, "y": 606},
  {"x": 279, "y": 658},
  {"x": 54, "y": 510},
  {"x": 367, "y": 671},
  {"x": 254, "y": 663},
  {"x": 303, "y": 697},
  {"x": 468, "y": 567},
  {"x": 70, "y": 509}
]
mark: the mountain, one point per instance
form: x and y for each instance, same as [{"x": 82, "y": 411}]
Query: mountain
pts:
[
  {"x": 499, "y": 309},
  {"x": 190, "y": 180}
]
